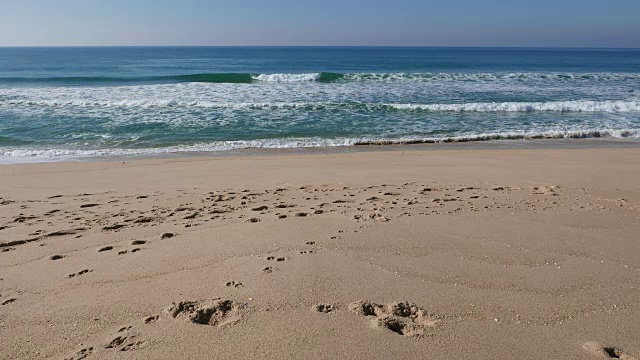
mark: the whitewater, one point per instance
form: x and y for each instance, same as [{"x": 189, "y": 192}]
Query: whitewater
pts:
[{"x": 122, "y": 102}]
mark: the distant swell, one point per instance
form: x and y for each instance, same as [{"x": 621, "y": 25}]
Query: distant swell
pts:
[
  {"x": 247, "y": 78},
  {"x": 22, "y": 154},
  {"x": 222, "y": 78},
  {"x": 552, "y": 106}
]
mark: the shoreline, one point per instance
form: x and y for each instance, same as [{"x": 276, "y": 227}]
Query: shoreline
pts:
[{"x": 502, "y": 144}]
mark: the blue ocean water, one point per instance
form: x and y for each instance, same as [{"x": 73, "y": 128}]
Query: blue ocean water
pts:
[{"x": 60, "y": 103}]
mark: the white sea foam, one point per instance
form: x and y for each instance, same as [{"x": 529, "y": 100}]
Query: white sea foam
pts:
[
  {"x": 553, "y": 106},
  {"x": 486, "y": 76},
  {"x": 610, "y": 106},
  {"x": 10, "y": 155},
  {"x": 284, "y": 78},
  {"x": 65, "y": 119},
  {"x": 17, "y": 155},
  {"x": 609, "y": 76}
]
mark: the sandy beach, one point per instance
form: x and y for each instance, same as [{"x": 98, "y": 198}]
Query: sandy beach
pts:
[{"x": 421, "y": 254}]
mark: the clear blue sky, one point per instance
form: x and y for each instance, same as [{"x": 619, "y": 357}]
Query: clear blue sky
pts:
[{"x": 541, "y": 23}]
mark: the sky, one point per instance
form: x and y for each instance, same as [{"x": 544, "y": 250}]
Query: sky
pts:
[{"x": 542, "y": 23}]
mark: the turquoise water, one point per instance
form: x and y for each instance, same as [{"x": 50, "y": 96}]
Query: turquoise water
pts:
[{"x": 61, "y": 103}]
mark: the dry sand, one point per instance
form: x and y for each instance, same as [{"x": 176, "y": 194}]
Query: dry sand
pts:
[{"x": 426, "y": 254}]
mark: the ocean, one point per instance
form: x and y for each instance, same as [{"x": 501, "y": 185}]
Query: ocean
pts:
[{"x": 82, "y": 103}]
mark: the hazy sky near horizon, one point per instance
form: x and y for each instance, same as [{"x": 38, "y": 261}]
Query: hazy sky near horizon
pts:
[{"x": 541, "y": 23}]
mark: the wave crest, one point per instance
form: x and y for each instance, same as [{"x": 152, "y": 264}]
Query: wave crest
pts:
[
  {"x": 552, "y": 106},
  {"x": 248, "y": 78}
]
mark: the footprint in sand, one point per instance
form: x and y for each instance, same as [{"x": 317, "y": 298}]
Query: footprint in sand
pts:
[
  {"x": 400, "y": 317},
  {"x": 79, "y": 273},
  {"x": 324, "y": 308},
  {"x": 8, "y": 301},
  {"x": 192, "y": 216},
  {"x": 280, "y": 259},
  {"x": 378, "y": 217},
  {"x": 138, "y": 242},
  {"x": 21, "y": 218},
  {"x": 81, "y": 354},
  {"x": 267, "y": 270},
  {"x": 124, "y": 340},
  {"x": 284, "y": 206},
  {"x": 151, "y": 319},
  {"x": 113, "y": 227},
  {"x": 55, "y": 257},
  {"x": 134, "y": 250},
  {"x": 167, "y": 236},
  {"x": 105, "y": 248},
  {"x": 606, "y": 352},
  {"x": 142, "y": 220},
  {"x": 217, "y": 312},
  {"x": 233, "y": 284},
  {"x": 546, "y": 190}
]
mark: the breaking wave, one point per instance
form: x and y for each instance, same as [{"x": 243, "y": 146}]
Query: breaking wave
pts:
[
  {"x": 248, "y": 78},
  {"x": 223, "y": 78},
  {"x": 480, "y": 107}
]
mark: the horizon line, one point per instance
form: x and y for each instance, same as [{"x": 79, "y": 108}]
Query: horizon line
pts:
[{"x": 325, "y": 46}]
